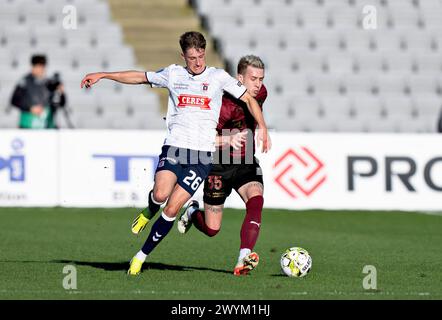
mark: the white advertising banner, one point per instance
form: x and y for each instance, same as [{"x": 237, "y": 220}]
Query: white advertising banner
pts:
[
  {"x": 94, "y": 168},
  {"x": 354, "y": 171},
  {"x": 28, "y": 168},
  {"x": 108, "y": 168}
]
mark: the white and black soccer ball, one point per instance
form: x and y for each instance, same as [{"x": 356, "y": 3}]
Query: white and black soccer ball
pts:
[{"x": 296, "y": 262}]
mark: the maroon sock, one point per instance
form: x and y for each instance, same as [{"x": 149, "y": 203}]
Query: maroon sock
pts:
[
  {"x": 252, "y": 222},
  {"x": 199, "y": 222}
]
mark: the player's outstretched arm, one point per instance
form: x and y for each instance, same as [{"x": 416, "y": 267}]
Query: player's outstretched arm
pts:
[
  {"x": 256, "y": 112},
  {"x": 127, "y": 77}
]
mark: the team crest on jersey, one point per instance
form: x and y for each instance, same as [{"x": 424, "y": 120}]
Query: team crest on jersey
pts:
[{"x": 205, "y": 86}]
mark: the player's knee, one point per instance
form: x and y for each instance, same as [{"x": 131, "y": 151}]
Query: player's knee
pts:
[
  {"x": 171, "y": 211},
  {"x": 160, "y": 196},
  {"x": 256, "y": 202},
  {"x": 212, "y": 232},
  {"x": 254, "y": 208}
]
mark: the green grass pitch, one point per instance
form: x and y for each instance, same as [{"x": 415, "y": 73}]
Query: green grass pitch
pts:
[{"x": 36, "y": 244}]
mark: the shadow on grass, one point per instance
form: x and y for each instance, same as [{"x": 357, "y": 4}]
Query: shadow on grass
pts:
[{"x": 123, "y": 266}]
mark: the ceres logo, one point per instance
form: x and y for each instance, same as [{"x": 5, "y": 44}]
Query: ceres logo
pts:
[
  {"x": 299, "y": 172},
  {"x": 187, "y": 100}
]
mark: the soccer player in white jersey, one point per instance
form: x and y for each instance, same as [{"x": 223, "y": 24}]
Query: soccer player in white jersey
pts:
[{"x": 195, "y": 95}]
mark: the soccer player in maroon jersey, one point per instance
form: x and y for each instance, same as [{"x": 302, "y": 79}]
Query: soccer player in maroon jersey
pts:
[{"x": 241, "y": 172}]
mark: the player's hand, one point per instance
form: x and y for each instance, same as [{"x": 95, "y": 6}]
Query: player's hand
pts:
[
  {"x": 238, "y": 139},
  {"x": 263, "y": 140},
  {"x": 90, "y": 79},
  {"x": 37, "y": 109},
  {"x": 60, "y": 89}
]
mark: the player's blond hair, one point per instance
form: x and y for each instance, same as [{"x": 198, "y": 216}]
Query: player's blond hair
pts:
[{"x": 249, "y": 60}]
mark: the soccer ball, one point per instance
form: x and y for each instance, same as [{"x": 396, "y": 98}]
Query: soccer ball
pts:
[{"x": 296, "y": 262}]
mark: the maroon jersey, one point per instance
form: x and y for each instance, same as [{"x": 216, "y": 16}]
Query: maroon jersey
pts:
[{"x": 234, "y": 114}]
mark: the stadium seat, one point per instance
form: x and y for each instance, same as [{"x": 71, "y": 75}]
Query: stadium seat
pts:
[
  {"x": 416, "y": 40},
  {"x": 337, "y": 108},
  {"x": 339, "y": 64},
  {"x": 275, "y": 108},
  {"x": 45, "y": 36},
  {"x": 285, "y": 124},
  {"x": 90, "y": 121},
  {"x": 359, "y": 85},
  {"x": 427, "y": 105},
  {"x": 383, "y": 125},
  {"x": 429, "y": 64},
  {"x": 355, "y": 40},
  {"x": 430, "y": 17},
  {"x": 343, "y": 17},
  {"x": 367, "y": 63},
  {"x": 398, "y": 64},
  {"x": 5, "y": 98},
  {"x": 424, "y": 125},
  {"x": 367, "y": 107},
  {"x": 397, "y": 108},
  {"x": 351, "y": 125},
  {"x": 418, "y": 85},
  {"x": 309, "y": 17},
  {"x": 9, "y": 118},
  {"x": 10, "y": 13},
  {"x": 16, "y": 36},
  {"x": 304, "y": 108},
  {"x": 112, "y": 103},
  {"x": 125, "y": 123},
  {"x": 148, "y": 101},
  {"x": 307, "y": 63},
  {"x": 82, "y": 100},
  {"x": 324, "y": 85}
]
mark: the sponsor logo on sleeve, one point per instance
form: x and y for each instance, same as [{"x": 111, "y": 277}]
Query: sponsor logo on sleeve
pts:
[{"x": 180, "y": 86}]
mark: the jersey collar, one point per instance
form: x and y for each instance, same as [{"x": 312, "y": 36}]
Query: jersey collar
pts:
[{"x": 193, "y": 74}]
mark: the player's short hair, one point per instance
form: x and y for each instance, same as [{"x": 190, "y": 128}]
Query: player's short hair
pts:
[
  {"x": 249, "y": 60},
  {"x": 38, "y": 59},
  {"x": 192, "y": 39}
]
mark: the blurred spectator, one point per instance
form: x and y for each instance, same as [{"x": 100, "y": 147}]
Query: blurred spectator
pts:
[
  {"x": 439, "y": 124},
  {"x": 38, "y": 97}
]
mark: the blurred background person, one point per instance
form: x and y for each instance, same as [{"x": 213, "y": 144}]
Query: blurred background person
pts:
[
  {"x": 439, "y": 124},
  {"x": 38, "y": 97}
]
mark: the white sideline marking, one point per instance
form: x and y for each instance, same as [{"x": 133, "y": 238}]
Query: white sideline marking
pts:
[
  {"x": 228, "y": 293},
  {"x": 431, "y": 213}
]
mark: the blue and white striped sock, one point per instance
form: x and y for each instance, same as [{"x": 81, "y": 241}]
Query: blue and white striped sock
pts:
[{"x": 159, "y": 230}]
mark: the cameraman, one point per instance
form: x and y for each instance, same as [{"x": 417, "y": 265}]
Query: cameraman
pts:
[{"x": 37, "y": 97}]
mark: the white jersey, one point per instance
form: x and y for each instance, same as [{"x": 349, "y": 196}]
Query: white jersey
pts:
[{"x": 194, "y": 104}]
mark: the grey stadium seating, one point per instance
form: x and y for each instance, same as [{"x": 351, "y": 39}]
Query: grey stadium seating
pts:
[
  {"x": 325, "y": 72},
  {"x": 36, "y": 26}
]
